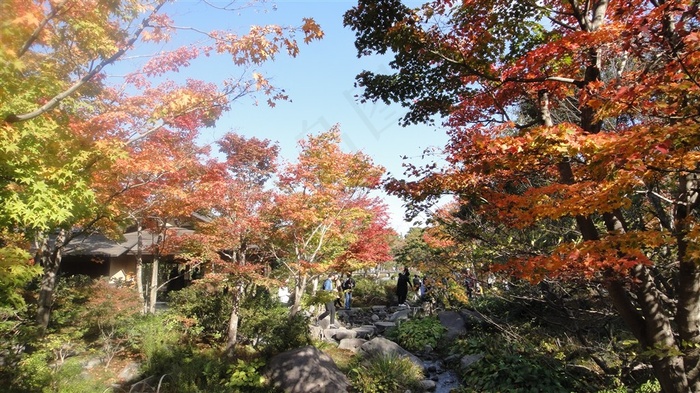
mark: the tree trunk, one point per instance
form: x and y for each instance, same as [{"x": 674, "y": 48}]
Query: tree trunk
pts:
[
  {"x": 154, "y": 286},
  {"x": 651, "y": 324},
  {"x": 299, "y": 288},
  {"x": 139, "y": 268},
  {"x": 237, "y": 296},
  {"x": 50, "y": 260},
  {"x": 688, "y": 308}
]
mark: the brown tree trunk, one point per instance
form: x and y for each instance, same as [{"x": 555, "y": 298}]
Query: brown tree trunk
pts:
[
  {"x": 139, "y": 268},
  {"x": 688, "y": 307},
  {"x": 232, "y": 338},
  {"x": 50, "y": 260},
  {"x": 299, "y": 288},
  {"x": 153, "y": 289}
]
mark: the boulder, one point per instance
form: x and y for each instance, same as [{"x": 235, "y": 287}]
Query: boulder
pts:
[
  {"x": 130, "y": 372},
  {"x": 342, "y": 333},
  {"x": 399, "y": 315},
  {"x": 473, "y": 319},
  {"x": 428, "y": 385},
  {"x": 306, "y": 370},
  {"x": 365, "y": 331},
  {"x": 382, "y": 346},
  {"x": 468, "y": 360},
  {"x": 351, "y": 344},
  {"x": 316, "y": 332},
  {"x": 454, "y": 323},
  {"x": 382, "y": 326}
]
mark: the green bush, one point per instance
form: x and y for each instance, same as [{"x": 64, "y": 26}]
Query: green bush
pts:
[
  {"x": 370, "y": 291},
  {"x": 415, "y": 334},
  {"x": 72, "y": 295},
  {"x": 385, "y": 374},
  {"x": 509, "y": 367},
  {"x": 206, "y": 311},
  {"x": 155, "y": 335},
  {"x": 245, "y": 375},
  {"x": 53, "y": 366},
  {"x": 190, "y": 370},
  {"x": 266, "y": 325}
]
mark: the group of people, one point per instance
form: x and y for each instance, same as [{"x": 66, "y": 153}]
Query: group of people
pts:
[
  {"x": 404, "y": 282},
  {"x": 343, "y": 289}
]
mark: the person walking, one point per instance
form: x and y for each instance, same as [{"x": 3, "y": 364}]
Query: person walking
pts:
[
  {"x": 330, "y": 305},
  {"x": 402, "y": 286},
  {"x": 338, "y": 285},
  {"x": 348, "y": 285},
  {"x": 416, "y": 287}
]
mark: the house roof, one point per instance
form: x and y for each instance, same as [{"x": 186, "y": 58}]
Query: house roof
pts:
[{"x": 96, "y": 244}]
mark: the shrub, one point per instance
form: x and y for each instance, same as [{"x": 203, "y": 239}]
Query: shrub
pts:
[
  {"x": 155, "y": 335},
  {"x": 508, "y": 367},
  {"x": 54, "y": 367},
  {"x": 245, "y": 375},
  {"x": 206, "y": 310},
  {"x": 72, "y": 294},
  {"x": 369, "y": 291},
  {"x": 266, "y": 325},
  {"x": 415, "y": 334},
  {"x": 108, "y": 314},
  {"x": 185, "y": 370},
  {"x": 385, "y": 374}
]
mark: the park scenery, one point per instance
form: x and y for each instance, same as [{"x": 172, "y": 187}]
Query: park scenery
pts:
[{"x": 370, "y": 196}]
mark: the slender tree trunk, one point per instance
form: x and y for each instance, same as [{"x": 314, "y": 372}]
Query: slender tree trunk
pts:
[
  {"x": 299, "y": 288},
  {"x": 668, "y": 365},
  {"x": 237, "y": 296},
  {"x": 50, "y": 260},
  {"x": 154, "y": 286},
  {"x": 139, "y": 267}
]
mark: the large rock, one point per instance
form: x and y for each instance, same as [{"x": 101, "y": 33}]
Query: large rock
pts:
[
  {"x": 306, "y": 370},
  {"x": 351, "y": 344},
  {"x": 130, "y": 372},
  {"x": 365, "y": 331},
  {"x": 382, "y": 346},
  {"x": 473, "y": 319},
  {"x": 467, "y": 360},
  {"x": 400, "y": 314},
  {"x": 428, "y": 385},
  {"x": 453, "y": 322},
  {"x": 383, "y": 326},
  {"x": 340, "y": 334}
]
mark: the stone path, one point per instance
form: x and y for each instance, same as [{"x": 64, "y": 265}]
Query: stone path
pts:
[{"x": 357, "y": 326}]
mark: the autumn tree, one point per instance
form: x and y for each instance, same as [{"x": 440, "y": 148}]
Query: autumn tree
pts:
[
  {"x": 321, "y": 208},
  {"x": 238, "y": 230},
  {"x": 598, "y": 101},
  {"x": 371, "y": 236},
  {"x": 64, "y": 120}
]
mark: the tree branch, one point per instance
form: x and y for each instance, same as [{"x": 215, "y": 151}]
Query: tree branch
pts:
[
  {"x": 42, "y": 24},
  {"x": 53, "y": 102}
]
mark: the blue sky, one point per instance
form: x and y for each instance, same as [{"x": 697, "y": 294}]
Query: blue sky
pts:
[{"x": 320, "y": 84}]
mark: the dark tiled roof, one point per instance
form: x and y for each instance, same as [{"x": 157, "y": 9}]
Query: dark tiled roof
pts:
[{"x": 98, "y": 244}]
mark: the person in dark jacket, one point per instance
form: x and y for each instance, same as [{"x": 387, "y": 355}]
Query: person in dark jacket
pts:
[
  {"x": 348, "y": 285},
  {"x": 402, "y": 285}
]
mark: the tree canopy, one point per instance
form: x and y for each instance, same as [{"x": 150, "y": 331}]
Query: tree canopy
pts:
[{"x": 564, "y": 110}]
